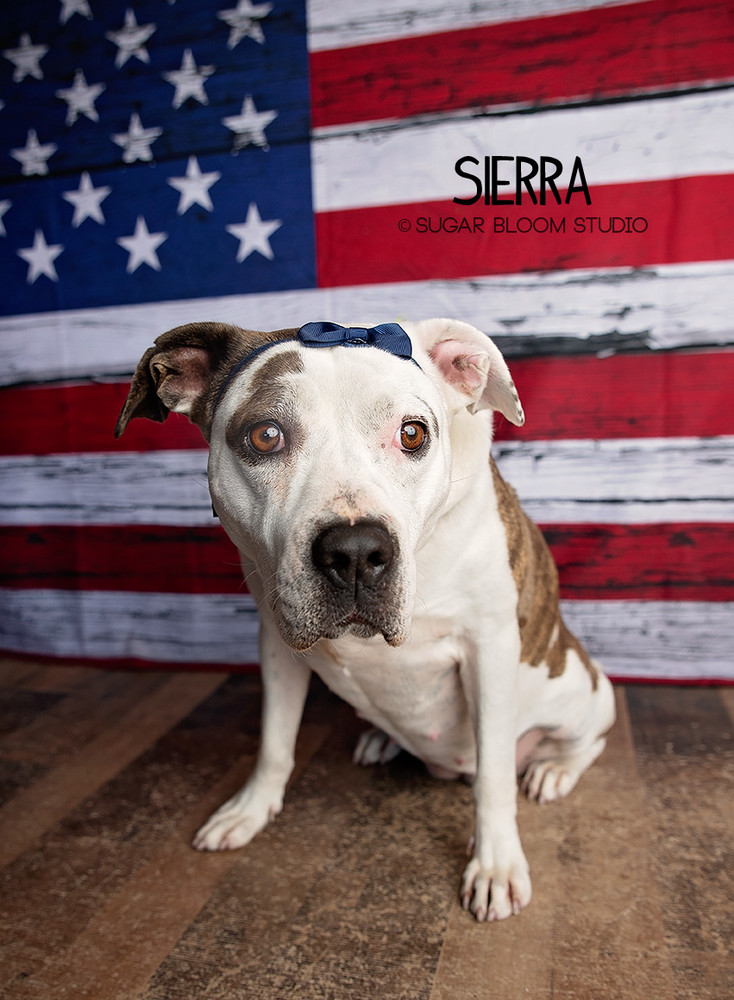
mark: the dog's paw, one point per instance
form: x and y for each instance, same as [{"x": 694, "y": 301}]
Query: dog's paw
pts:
[
  {"x": 236, "y": 822},
  {"x": 497, "y": 891},
  {"x": 548, "y": 780},
  {"x": 552, "y": 779},
  {"x": 375, "y": 747}
]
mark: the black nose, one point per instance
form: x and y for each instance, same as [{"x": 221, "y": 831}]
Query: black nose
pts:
[{"x": 353, "y": 555}]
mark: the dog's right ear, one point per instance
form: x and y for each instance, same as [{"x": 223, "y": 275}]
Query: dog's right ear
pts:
[
  {"x": 177, "y": 374},
  {"x": 183, "y": 371}
]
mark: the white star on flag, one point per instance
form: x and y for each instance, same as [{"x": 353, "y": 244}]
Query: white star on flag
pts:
[
  {"x": 142, "y": 246},
  {"x": 194, "y": 187},
  {"x": 4, "y": 206},
  {"x": 26, "y": 59},
  {"x": 33, "y": 155},
  {"x": 243, "y": 21},
  {"x": 71, "y": 7},
  {"x": 254, "y": 234},
  {"x": 81, "y": 97},
  {"x": 40, "y": 258},
  {"x": 189, "y": 80},
  {"x": 130, "y": 40},
  {"x": 136, "y": 142},
  {"x": 249, "y": 125},
  {"x": 87, "y": 201}
]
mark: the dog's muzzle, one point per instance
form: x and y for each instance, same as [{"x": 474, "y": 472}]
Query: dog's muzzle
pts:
[{"x": 355, "y": 584}]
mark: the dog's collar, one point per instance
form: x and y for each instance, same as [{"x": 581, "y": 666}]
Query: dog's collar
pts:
[{"x": 390, "y": 337}]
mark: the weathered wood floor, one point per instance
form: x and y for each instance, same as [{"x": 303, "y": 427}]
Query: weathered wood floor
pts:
[{"x": 351, "y": 893}]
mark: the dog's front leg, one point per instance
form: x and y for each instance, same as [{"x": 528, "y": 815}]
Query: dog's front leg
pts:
[
  {"x": 285, "y": 685},
  {"x": 496, "y": 881}
]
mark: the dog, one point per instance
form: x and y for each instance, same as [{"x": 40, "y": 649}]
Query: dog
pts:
[{"x": 351, "y": 468}]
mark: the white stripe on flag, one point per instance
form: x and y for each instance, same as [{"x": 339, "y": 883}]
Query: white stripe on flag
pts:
[
  {"x": 614, "y": 472},
  {"x": 353, "y": 22},
  {"x": 629, "y": 143},
  {"x": 675, "y": 640},
  {"x": 185, "y": 628},
  {"x": 641, "y": 639},
  {"x": 680, "y": 305},
  {"x": 640, "y": 480}
]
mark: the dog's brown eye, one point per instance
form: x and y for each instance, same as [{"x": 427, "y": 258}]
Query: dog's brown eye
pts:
[
  {"x": 266, "y": 438},
  {"x": 413, "y": 435}
]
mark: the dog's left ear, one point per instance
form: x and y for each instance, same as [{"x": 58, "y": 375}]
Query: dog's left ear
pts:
[{"x": 471, "y": 365}]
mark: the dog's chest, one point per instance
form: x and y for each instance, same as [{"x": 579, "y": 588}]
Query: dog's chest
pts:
[{"x": 413, "y": 693}]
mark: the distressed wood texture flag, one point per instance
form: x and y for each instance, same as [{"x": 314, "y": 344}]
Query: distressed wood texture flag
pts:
[{"x": 559, "y": 173}]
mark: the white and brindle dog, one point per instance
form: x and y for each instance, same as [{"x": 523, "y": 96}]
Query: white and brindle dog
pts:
[{"x": 386, "y": 553}]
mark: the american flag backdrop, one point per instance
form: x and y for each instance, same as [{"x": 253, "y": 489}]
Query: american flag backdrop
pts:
[{"x": 270, "y": 163}]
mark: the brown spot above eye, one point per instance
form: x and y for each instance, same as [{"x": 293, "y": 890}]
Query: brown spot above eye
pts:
[{"x": 265, "y": 394}]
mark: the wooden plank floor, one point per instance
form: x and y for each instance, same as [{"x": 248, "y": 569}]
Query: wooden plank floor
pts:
[{"x": 352, "y": 892}]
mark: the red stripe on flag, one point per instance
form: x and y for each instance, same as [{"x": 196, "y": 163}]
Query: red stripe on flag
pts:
[
  {"x": 624, "y": 396},
  {"x": 636, "y": 562},
  {"x": 563, "y": 58},
  {"x": 141, "y": 663},
  {"x": 680, "y": 220},
  {"x": 81, "y": 418},
  {"x": 684, "y": 562},
  {"x": 153, "y": 559}
]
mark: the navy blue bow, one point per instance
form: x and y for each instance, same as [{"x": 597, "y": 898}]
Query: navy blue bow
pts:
[{"x": 390, "y": 337}]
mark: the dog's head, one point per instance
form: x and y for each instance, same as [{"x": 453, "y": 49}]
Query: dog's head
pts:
[{"x": 329, "y": 468}]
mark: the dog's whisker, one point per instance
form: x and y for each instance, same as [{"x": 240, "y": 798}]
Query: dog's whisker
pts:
[{"x": 419, "y": 599}]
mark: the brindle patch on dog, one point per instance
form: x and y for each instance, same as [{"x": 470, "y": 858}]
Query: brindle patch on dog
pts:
[{"x": 543, "y": 633}]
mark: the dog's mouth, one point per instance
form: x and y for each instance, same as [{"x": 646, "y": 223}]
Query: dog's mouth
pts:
[
  {"x": 362, "y": 627},
  {"x": 303, "y": 636},
  {"x": 355, "y": 621}
]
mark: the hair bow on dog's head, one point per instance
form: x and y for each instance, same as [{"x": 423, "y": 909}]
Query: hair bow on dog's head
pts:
[{"x": 390, "y": 337}]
